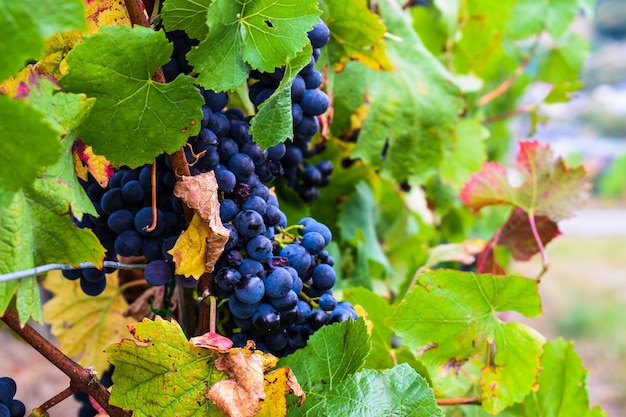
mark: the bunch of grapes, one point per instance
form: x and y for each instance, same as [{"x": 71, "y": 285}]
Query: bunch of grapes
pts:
[
  {"x": 9, "y": 406},
  {"x": 308, "y": 102}
]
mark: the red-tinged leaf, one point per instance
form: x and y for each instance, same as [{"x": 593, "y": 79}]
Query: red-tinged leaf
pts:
[
  {"x": 97, "y": 165},
  {"x": 487, "y": 264},
  {"x": 549, "y": 188},
  {"x": 212, "y": 341},
  {"x": 517, "y": 234}
]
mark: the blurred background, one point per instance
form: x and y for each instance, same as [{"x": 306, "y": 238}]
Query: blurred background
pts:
[{"x": 584, "y": 291}]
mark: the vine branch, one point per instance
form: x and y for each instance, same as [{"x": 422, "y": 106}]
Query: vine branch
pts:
[
  {"x": 81, "y": 379},
  {"x": 64, "y": 267},
  {"x": 66, "y": 393},
  {"x": 458, "y": 401}
]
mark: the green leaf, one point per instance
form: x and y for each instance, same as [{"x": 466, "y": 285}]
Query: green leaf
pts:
[
  {"x": 564, "y": 61},
  {"x": 357, "y": 218},
  {"x": 331, "y": 355},
  {"x": 36, "y": 229},
  {"x": 24, "y": 24},
  {"x": 449, "y": 316},
  {"x": 66, "y": 112},
  {"x": 562, "y": 385},
  {"x": 394, "y": 392},
  {"x": 533, "y": 16},
  {"x": 377, "y": 310},
  {"x": 466, "y": 155},
  {"x": 27, "y": 143},
  {"x": 161, "y": 374},
  {"x": 273, "y": 123},
  {"x": 348, "y": 89},
  {"x": 134, "y": 119},
  {"x": 362, "y": 42},
  {"x": 187, "y": 15},
  {"x": 410, "y": 107},
  {"x": 245, "y": 34}
]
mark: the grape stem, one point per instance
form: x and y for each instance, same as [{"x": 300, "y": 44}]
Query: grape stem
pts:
[
  {"x": 458, "y": 401},
  {"x": 67, "y": 392},
  {"x": 64, "y": 267},
  {"x": 81, "y": 379},
  {"x": 153, "y": 180}
]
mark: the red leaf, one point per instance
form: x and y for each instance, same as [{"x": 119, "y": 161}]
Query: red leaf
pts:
[
  {"x": 518, "y": 236},
  {"x": 548, "y": 188}
]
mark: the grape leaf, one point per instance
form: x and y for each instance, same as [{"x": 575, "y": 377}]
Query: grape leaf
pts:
[
  {"x": 247, "y": 34},
  {"x": 84, "y": 324},
  {"x": 65, "y": 112},
  {"x": 466, "y": 155},
  {"x": 190, "y": 249},
  {"x": 35, "y": 223},
  {"x": 362, "y": 42},
  {"x": 448, "y": 316},
  {"x": 548, "y": 187},
  {"x": 187, "y": 15},
  {"x": 86, "y": 162},
  {"x": 410, "y": 107},
  {"x": 134, "y": 118},
  {"x": 518, "y": 236},
  {"x": 533, "y": 16},
  {"x": 377, "y": 309},
  {"x": 562, "y": 386},
  {"x": 399, "y": 391},
  {"x": 23, "y": 31},
  {"x": 273, "y": 123},
  {"x": 25, "y": 150},
  {"x": 161, "y": 360},
  {"x": 564, "y": 61},
  {"x": 357, "y": 218},
  {"x": 278, "y": 384},
  {"x": 332, "y": 353}
]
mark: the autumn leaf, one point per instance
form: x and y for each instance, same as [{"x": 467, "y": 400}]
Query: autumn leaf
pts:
[
  {"x": 208, "y": 236},
  {"x": 193, "y": 380},
  {"x": 82, "y": 323},
  {"x": 518, "y": 236},
  {"x": 548, "y": 187},
  {"x": 85, "y": 160}
]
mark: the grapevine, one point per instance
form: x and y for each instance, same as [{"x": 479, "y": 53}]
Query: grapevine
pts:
[{"x": 228, "y": 190}]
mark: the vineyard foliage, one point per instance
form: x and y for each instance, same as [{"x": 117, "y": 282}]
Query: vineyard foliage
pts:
[{"x": 424, "y": 213}]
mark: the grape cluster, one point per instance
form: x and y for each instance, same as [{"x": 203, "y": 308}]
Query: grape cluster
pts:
[
  {"x": 123, "y": 223},
  {"x": 9, "y": 406},
  {"x": 308, "y": 102}
]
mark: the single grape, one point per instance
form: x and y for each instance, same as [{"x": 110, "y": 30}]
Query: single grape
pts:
[
  {"x": 112, "y": 200},
  {"x": 143, "y": 219},
  {"x": 226, "y": 180},
  {"x": 340, "y": 314},
  {"x": 250, "y": 289},
  {"x": 241, "y": 165},
  {"x": 227, "y": 149},
  {"x": 314, "y": 102},
  {"x": 72, "y": 274},
  {"x": 255, "y": 203},
  {"x": 228, "y": 210},
  {"x": 8, "y": 388},
  {"x": 17, "y": 408},
  {"x": 317, "y": 319},
  {"x": 93, "y": 275},
  {"x": 277, "y": 341},
  {"x": 319, "y": 35},
  {"x": 313, "y": 242},
  {"x": 313, "y": 79},
  {"x": 266, "y": 319},
  {"x": 93, "y": 288},
  {"x": 128, "y": 243},
  {"x": 133, "y": 192},
  {"x": 120, "y": 221},
  {"x": 158, "y": 273},
  {"x": 259, "y": 248},
  {"x": 324, "y": 277},
  {"x": 320, "y": 228},
  {"x": 278, "y": 283},
  {"x": 297, "y": 257},
  {"x": 327, "y": 302},
  {"x": 289, "y": 301},
  {"x": 251, "y": 267},
  {"x": 4, "y": 411},
  {"x": 227, "y": 278},
  {"x": 249, "y": 223}
]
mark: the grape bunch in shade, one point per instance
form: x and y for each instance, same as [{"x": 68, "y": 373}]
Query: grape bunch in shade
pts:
[
  {"x": 308, "y": 102},
  {"x": 9, "y": 406}
]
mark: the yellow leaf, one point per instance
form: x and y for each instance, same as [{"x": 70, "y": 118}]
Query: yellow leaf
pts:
[
  {"x": 200, "y": 193},
  {"x": 97, "y": 165},
  {"x": 84, "y": 324},
  {"x": 279, "y": 384},
  {"x": 189, "y": 252}
]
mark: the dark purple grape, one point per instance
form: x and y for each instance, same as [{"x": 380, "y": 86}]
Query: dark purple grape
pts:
[
  {"x": 128, "y": 243},
  {"x": 241, "y": 310},
  {"x": 327, "y": 302},
  {"x": 250, "y": 289},
  {"x": 278, "y": 283},
  {"x": 319, "y": 35},
  {"x": 259, "y": 248},
  {"x": 93, "y": 288},
  {"x": 313, "y": 242},
  {"x": 249, "y": 223},
  {"x": 133, "y": 192},
  {"x": 120, "y": 221},
  {"x": 324, "y": 277},
  {"x": 317, "y": 319},
  {"x": 228, "y": 210},
  {"x": 314, "y": 102},
  {"x": 93, "y": 275},
  {"x": 266, "y": 319},
  {"x": 158, "y": 273},
  {"x": 255, "y": 203},
  {"x": 313, "y": 79}
]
